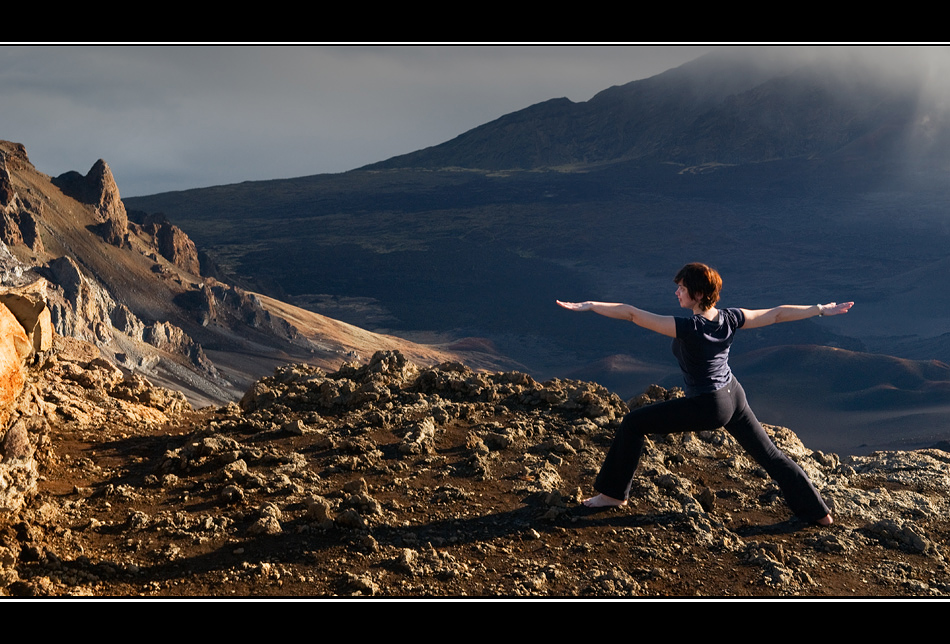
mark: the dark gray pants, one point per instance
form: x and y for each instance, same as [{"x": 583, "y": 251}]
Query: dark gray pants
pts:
[{"x": 727, "y": 408}]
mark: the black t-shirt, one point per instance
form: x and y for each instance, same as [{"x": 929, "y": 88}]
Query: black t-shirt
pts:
[{"x": 702, "y": 346}]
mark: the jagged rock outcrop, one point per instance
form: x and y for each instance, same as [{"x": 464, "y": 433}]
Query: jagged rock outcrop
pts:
[
  {"x": 12, "y": 158},
  {"x": 19, "y": 227},
  {"x": 171, "y": 241},
  {"x": 7, "y": 193},
  {"x": 99, "y": 190},
  {"x": 17, "y": 223},
  {"x": 81, "y": 308},
  {"x": 125, "y": 321},
  {"x": 223, "y": 304},
  {"x": 170, "y": 338}
]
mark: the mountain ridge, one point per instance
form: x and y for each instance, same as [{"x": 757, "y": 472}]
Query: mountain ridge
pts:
[{"x": 706, "y": 111}]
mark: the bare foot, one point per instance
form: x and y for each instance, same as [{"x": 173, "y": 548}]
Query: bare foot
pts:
[
  {"x": 604, "y": 501},
  {"x": 825, "y": 520}
]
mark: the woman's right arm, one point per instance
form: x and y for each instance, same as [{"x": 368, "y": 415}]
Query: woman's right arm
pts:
[{"x": 663, "y": 324}]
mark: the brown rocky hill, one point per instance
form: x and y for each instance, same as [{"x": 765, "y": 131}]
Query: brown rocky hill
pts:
[
  {"x": 132, "y": 286},
  {"x": 393, "y": 479}
]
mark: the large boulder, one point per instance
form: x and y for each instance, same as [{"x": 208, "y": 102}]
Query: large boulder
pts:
[
  {"x": 28, "y": 305},
  {"x": 15, "y": 349}
]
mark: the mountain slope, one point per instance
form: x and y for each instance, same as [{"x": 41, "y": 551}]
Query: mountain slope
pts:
[{"x": 131, "y": 285}]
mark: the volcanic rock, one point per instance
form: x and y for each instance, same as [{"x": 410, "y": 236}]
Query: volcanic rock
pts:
[
  {"x": 99, "y": 190},
  {"x": 15, "y": 349},
  {"x": 28, "y": 305},
  {"x": 144, "y": 496},
  {"x": 170, "y": 241}
]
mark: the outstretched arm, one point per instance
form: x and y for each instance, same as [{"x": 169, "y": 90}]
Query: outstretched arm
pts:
[
  {"x": 755, "y": 318},
  {"x": 660, "y": 323}
]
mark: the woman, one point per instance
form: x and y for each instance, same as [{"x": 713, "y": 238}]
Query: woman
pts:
[{"x": 714, "y": 398}]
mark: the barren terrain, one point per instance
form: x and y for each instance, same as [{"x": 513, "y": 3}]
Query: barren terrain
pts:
[{"x": 392, "y": 480}]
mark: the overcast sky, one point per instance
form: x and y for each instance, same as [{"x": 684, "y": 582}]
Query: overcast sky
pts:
[{"x": 172, "y": 117}]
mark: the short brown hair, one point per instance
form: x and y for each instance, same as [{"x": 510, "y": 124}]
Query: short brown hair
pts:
[{"x": 702, "y": 282}]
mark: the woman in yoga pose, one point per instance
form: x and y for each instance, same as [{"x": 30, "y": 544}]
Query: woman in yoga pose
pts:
[{"x": 714, "y": 398}]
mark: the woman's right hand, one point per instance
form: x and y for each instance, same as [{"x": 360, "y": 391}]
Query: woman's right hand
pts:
[{"x": 663, "y": 324}]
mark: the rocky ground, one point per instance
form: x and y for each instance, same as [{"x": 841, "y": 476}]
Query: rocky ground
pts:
[{"x": 392, "y": 480}]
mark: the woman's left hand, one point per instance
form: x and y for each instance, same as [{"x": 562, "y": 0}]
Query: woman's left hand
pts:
[
  {"x": 836, "y": 309},
  {"x": 575, "y": 306}
]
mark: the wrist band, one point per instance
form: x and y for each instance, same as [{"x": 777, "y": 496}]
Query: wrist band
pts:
[{"x": 821, "y": 311}]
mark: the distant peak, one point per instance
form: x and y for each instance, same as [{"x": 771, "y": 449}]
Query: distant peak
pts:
[{"x": 99, "y": 190}]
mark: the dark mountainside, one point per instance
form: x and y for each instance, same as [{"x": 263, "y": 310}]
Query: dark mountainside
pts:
[
  {"x": 801, "y": 178},
  {"x": 736, "y": 106}
]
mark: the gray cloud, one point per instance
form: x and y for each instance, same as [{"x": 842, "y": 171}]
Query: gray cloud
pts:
[
  {"x": 177, "y": 117},
  {"x": 170, "y": 118}
]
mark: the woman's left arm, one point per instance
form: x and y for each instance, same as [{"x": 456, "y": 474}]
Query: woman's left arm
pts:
[{"x": 756, "y": 318}]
